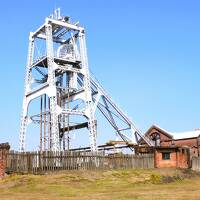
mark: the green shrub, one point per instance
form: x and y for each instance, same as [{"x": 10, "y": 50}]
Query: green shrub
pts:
[{"x": 155, "y": 178}]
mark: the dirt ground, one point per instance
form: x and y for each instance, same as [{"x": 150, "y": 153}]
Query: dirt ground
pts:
[{"x": 107, "y": 185}]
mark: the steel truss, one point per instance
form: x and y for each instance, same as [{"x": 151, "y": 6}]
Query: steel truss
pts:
[{"x": 67, "y": 89}]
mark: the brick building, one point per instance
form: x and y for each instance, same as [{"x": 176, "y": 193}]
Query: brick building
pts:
[
  {"x": 4, "y": 148},
  {"x": 173, "y": 149}
]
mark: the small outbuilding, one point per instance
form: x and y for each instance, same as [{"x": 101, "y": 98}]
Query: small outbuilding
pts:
[{"x": 172, "y": 149}]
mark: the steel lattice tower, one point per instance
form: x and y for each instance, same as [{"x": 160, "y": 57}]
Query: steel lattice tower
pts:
[{"x": 66, "y": 88}]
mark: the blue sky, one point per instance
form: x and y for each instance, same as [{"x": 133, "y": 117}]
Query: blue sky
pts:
[{"x": 145, "y": 53}]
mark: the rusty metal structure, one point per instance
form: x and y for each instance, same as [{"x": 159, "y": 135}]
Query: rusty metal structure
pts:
[{"x": 58, "y": 74}]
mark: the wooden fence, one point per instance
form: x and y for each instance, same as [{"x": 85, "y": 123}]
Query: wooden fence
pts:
[
  {"x": 196, "y": 163},
  {"x": 43, "y": 162}
]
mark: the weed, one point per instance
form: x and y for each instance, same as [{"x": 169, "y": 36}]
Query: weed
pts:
[{"x": 155, "y": 178}]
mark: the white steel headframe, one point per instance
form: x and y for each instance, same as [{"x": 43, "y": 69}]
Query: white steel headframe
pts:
[{"x": 67, "y": 80}]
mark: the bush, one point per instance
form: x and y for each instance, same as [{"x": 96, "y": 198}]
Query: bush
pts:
[{"x": 155, "y": 178}]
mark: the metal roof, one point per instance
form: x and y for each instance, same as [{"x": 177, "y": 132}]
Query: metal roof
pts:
[
  {"x": 187, "y": 134},
  {"x": 177, "y": 135}
]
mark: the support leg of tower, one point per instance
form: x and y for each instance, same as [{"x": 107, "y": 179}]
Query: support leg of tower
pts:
[
  {"x": 27, "y": 87},
  {"x": 23, "y": 127},
  {"x": 52, "y": 87},
  {"x": 93, "y": 133},
  {"x": 88, "y": 94}
]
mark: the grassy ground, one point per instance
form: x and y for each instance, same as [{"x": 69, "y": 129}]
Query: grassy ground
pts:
[{"x": 107, "y": 185}]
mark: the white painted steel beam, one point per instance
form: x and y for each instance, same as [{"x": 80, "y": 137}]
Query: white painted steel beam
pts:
[{"x": 64, "y": 24}]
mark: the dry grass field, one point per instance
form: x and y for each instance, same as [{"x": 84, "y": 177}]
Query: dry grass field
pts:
[{"x": 106, "y": 185}]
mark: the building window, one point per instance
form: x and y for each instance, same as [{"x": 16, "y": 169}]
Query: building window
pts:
[
  {"x": 166, "y": 156},
  {"x": 156, "y": 138}
]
